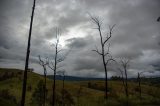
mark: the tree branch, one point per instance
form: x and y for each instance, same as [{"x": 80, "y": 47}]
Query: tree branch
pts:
[
  {"x": 97, "y": 52},
  {"x": 49, "y": 64},
  {"x": 111, "y": 59},
  {"x": 110, "y": 34},
  {"x": 41, "y": 62}
]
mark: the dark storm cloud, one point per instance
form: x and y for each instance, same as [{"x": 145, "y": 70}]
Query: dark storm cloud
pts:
[{"x": 135, "y": 36}]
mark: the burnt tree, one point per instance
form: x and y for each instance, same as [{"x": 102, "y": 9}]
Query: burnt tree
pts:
[
  {"x": 44, "y": 64},
  {"x": 121, "y": 71},
  {"x": 53, "y": 64},
  {"x": 139, "y": 86},
  {"x": 125, "y": 65},
  {"x": 104, "y": 43},
  {"x": 27, "y": 58},
  {"x": 139, "y": 82}
]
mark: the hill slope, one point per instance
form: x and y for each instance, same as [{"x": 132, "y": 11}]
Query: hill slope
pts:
[{"x": 79, "y": 93}]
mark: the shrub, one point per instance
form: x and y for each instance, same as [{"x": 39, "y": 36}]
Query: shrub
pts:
[
  {"x": 68, "y": 98},
  {"x": 5, "y": 95}
]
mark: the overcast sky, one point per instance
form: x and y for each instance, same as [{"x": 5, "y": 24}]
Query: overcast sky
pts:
[{"x": 135, "y": 36}]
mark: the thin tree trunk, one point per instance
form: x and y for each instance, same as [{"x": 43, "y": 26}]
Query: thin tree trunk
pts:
[
  {"x": 43, "y": 64},
  {"x": 139, "y": 84},
  {"x": 126, "y": 85},
  {"x": 123, "y": 80},
  {"x": 103, "y": 42},
  {"x": 44, "y": 86},
  {"x": 54, "y": 82},
  {"x": 106, "y": 86},
  {"x": 104, "y": 63},
  {"x": 27, "y": 58},
  {"x": 106, "y": 80}
]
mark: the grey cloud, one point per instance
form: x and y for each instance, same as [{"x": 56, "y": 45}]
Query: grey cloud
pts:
[
  {"x": 136, "y": 33},
  {"x": 77, "y": 42}
]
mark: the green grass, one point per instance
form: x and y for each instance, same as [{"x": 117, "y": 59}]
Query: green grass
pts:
[{"x": 88, "y": 96}]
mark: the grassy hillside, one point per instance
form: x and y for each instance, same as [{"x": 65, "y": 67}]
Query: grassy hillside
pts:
[{"x": 79, "y": 93}]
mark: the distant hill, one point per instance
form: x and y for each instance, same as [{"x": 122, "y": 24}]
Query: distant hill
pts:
[
  {"x": 152, "y": 80},
  {"x": 11, "y": 88},
  {"x": 74, "y": 78}
]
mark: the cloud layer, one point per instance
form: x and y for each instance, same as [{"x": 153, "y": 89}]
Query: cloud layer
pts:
[{"x": 136, "y": 35}]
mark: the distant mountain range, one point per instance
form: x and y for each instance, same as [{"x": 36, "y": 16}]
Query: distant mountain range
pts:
[
  {"x": 152, "y": 80},
  {"x": 74, "y": 78}
]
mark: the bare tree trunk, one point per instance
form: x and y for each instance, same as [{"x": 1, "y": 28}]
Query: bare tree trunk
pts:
[
  {"x": 54, "y": 65},
  {"x": 125, "y": 64},
  {"x": 106, "y": 83},
  {"x": 54, "y": 91},
  {"x": 103, "y": 52},
  {"x": 126, "y": 83},
  {"x": 106, "y": 86},
  {"x": 55, "y": 68},
  {"x": 105, "y": 69},
  {"x": 44, "y": 86},
  {"x": 139, "y": 86},
  {"x": 122, "y": 78},
  {"x": 43, "y": 64},
  {"x": 27, "y": 58}
]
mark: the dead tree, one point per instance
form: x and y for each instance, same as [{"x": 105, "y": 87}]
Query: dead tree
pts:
[
  {"x": 53, "y": 64},
  {"x": 44, "y": 64},
  {"x": 106, "y": 56},
  {"x": 121, "y": 71},
  {"x": 125, "y": 65},
  {"x": 139, "y": 86},
  {"x": 27, "y": 58},
  {"x": 139, "y": 82}
]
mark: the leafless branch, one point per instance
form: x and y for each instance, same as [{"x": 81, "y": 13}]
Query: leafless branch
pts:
[
  {"x": 111, "y": 59},
  {"x": 125, "y": 63},
  {"x": 41, "y": 62},
  {"x": 96, "y": 21},
  {"x": 59, "y": 51},
  {"x": 120, "y": 71},
  {"x": 96, "y": 50},
  {"x": 50, "y": 64},
  {"x": 110, "y": 34},
  {"x": 107, "y": 53}
]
